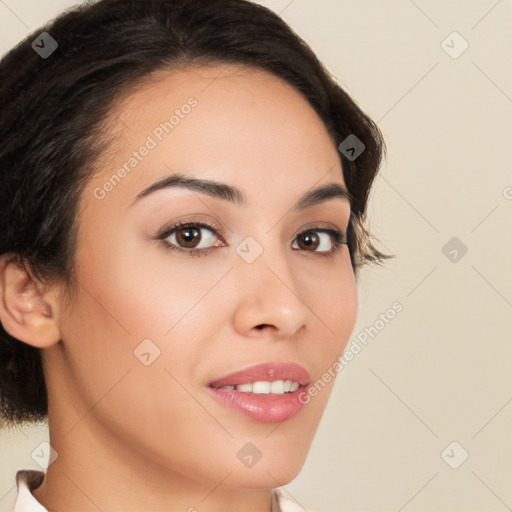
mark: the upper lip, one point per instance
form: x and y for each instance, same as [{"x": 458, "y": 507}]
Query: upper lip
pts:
[{"x": 265, "y": 372}]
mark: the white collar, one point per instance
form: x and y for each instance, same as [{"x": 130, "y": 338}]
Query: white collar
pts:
[{"x": 27, "y": 480}]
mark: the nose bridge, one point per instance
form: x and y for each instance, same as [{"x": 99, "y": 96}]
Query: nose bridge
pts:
[
  {"x": 267, "y": 289},
  {"x": 264, "y": 261}
]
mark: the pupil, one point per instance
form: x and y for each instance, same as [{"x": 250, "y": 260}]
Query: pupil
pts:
[
  {"x": 188, "y": 234},
  {"x": 310, "y": 240}
]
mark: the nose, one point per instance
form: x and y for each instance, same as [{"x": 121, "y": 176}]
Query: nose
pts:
[{"x": 269, "y": 301}]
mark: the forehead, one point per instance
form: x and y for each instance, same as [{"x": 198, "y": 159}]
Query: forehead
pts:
[{"x": 233, "y": 123}]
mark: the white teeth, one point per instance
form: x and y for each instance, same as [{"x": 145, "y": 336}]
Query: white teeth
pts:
[
  {"x": 261, "y": 387},
  {"x": 276, "y": 387}
]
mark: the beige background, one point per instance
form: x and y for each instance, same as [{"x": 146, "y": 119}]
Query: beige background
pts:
[{"x": 440, "y": 371}]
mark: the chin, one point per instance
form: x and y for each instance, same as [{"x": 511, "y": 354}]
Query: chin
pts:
[
  {"x": 264, "y": 478},
  {"x": 272, "y": 470}
]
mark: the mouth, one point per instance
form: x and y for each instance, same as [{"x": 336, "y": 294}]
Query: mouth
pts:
[
  {"x": 267, "y": 393},
  {"x": 275, "y": 378},
  {"x": 263, "y": 387}
]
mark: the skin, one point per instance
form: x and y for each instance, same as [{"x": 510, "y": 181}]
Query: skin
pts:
[{"x": 133, "y": 437}]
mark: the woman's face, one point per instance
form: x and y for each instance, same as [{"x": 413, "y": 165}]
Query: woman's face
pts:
[{"x": 151, "y": 327}]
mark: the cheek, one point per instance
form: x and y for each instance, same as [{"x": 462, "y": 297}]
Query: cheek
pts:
[
  {"x": 340, "y": 300},
  {"x": 121, "y": 302},
  {"x": 333, "y": 300},
  {"x": 141, "y": 286},
  {"x": 136, "y": 305}
]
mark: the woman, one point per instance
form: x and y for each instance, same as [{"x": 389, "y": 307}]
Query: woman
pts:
[{"x": 137, "y": 135}]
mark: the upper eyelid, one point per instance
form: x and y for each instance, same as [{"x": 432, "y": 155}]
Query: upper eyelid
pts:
[
  {"x": 164, "y": 233},
  {"x": 216, "y": 227}
]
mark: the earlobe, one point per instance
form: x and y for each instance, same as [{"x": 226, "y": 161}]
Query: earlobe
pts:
[{"x": 27, "y": 312}]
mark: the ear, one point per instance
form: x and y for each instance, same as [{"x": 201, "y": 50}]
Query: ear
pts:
[{"x": 28, "y": 311}]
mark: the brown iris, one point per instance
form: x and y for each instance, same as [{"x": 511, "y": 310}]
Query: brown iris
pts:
[
  {"x": 310, "y": 239},
  {"x": 186, "y": 236}
]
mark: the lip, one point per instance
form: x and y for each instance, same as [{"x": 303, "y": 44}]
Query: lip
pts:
[
  {"x": 265, "y": 372},
  {"x": 260, "y": 407}
]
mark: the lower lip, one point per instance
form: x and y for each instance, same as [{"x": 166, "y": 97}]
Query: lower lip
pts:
[{"x": 261, "y": 407}]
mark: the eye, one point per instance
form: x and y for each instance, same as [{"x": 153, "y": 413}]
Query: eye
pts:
[
  {"x": 321, "y": 240},
  {"x": 189, "y": 237}
]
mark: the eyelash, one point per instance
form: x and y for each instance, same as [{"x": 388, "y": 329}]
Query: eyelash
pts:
[{"x": 337, "y": 237}]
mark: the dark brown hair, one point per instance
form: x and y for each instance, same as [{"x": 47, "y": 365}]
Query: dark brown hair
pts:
[{"x": 54, "y": 109}]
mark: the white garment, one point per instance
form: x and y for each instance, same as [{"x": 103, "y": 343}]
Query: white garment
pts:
[{"x": 28, "y": 480}]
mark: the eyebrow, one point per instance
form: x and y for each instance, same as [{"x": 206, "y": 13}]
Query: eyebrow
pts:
[{"x": 234, "y": 195}]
